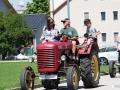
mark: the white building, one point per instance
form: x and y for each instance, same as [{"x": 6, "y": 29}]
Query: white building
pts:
[{"x": 104, "y": 14}]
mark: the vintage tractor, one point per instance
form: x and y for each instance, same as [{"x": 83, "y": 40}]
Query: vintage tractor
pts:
[
  {"x": 54, "y": 60},
  {"x": 112, "y": 68}
]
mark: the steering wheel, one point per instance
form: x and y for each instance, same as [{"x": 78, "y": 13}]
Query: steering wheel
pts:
[
  {"x": 65, "y": 37},
  {"x": 87, "y": 36}
]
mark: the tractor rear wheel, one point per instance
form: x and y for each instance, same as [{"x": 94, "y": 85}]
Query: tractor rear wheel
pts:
[
  {"x": 90, "y": 70},
  {"x": 26, "y": 80},
  {"x": 112, "y": 69},
  {"x": 51, "y": 83},
  {"x": 72, "y": 78}
]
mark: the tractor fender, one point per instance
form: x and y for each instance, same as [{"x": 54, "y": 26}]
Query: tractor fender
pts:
[
  {"x": 77, "y": 67},
  {"x": 91, "y": 46},
  {"x": 26, "y": 67},
  {"x": 30, "y": 69}
]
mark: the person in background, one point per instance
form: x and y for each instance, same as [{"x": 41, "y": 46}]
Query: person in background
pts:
[{"x": 50, "y": 32}]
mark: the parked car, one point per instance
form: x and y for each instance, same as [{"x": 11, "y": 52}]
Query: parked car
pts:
[{"x": 107, "y": 54}]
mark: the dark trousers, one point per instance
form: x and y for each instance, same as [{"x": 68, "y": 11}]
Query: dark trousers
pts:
[
  {"x": 119, "y": 60},
  {"x": 119, "y": 56}
]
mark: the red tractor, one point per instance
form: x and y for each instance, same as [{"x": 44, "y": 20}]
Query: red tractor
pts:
[{"x": 54, "y": 60}]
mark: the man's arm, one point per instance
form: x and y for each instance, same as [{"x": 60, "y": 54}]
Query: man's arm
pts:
[
  {"x": 75, "y": 34},
  {"x": 74, "y": 38},
  {"x": 97, "y": 33},
  {"x": 60, "y": 33}
]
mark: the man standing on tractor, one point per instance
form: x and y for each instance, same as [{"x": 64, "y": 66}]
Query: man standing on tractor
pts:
[
  {"x": 91, "y": 33},
  {"x": 71, "y": 32}
]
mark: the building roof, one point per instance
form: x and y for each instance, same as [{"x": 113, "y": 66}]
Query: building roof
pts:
[
  {"x": 9, "y": 5},
  {"x": 34, "y": 20},
  {"x": 60, "y": 6}
]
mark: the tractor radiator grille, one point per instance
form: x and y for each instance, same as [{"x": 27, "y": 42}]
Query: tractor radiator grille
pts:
[{"x": 45, "y": 58}]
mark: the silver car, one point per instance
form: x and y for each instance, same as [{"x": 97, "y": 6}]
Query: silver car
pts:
[{"x": 107, "y": 54}]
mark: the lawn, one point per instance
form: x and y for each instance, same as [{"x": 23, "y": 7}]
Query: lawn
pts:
[{"x": 10, "y": 73}]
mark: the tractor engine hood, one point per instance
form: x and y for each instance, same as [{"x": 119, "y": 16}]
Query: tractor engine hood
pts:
[
  {"x": 57, "y": 45},
  {"x": 48, "y": 55}
]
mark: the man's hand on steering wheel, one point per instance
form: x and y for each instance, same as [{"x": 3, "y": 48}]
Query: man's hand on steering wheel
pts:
[{"x": 67, "y": 35}]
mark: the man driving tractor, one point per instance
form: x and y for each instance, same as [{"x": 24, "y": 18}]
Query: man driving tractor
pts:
[{"x": 71, "y": 32}]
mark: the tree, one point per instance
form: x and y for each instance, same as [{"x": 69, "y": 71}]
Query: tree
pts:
[
  {"x": 38, "y": 6},
  {"x": 13, "y": 31}
]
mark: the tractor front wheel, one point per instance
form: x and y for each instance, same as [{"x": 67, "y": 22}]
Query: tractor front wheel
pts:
[
  {"x": 27, "y": 80},
  {"x": 72, "y": 78},
  {"x": 112, "y": 69}
]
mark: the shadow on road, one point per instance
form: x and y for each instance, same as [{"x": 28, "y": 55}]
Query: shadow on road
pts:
[
  {"x": 100, "y": 86},
  {"x": 117, "y": 76},
  {"x": 80, "y": 87}
]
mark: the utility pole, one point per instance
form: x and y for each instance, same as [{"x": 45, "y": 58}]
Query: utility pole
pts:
[
  {"x": 52, "y": 8},
  {"x": 68, "y": 8}
]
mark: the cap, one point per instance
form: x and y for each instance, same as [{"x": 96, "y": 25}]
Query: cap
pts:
[
  {"x": 66, "y": 19},
  {"x": 86, "y": 21}
]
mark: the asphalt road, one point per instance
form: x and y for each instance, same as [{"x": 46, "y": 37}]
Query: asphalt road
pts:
[{"x": 106, "y": 83}]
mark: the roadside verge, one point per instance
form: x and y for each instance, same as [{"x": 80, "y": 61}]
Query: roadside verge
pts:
[{"x": 62, "y": 81}]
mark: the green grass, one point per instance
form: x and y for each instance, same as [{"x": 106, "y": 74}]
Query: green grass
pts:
[
  {"x": 104, "y": 69},
  {"x": 10, "y": 73}
]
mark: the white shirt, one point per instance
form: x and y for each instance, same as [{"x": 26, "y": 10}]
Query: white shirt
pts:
[{"x": 48, "y": 34}]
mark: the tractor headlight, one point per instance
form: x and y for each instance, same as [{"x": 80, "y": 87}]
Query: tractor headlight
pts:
[
  {"x": 30, "y": 59},
  {"x": 63, "y": 57}
]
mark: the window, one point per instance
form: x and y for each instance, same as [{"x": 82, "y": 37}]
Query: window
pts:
[
  {"x": 115, "y": 15},
  {"x": 103, "y": 16},
  {"x": 111, "y": 49},
  {"x": 86, "y": 15},
  {"x": 103, "y": 37},
  {"x": 115, "y": 35},
  {"x": 102, "y": 49}
]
